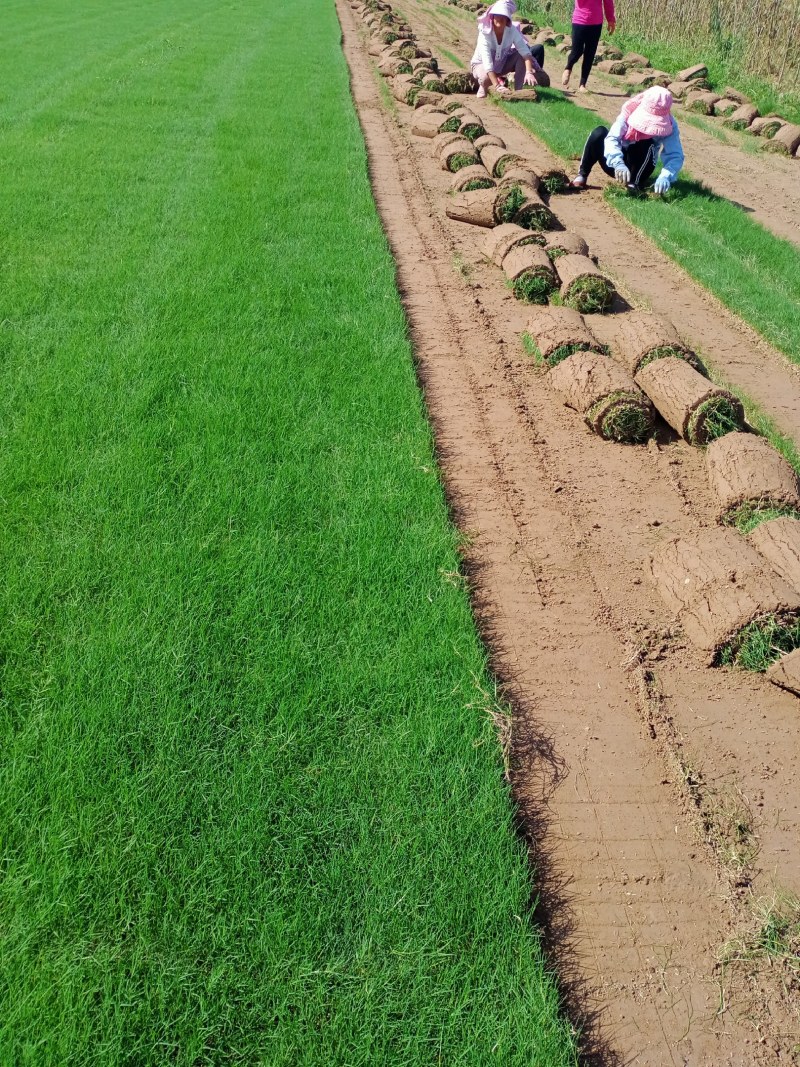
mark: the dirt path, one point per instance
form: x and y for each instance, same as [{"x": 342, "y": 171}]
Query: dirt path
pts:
[
  {"x": 763, "y": 185},
  {"x": 659, "y": 797}
]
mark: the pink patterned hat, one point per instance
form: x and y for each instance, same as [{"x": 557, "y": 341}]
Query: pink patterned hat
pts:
[
  {"x": 501, "y": 7},
  {"x": 649, "y": 112}
]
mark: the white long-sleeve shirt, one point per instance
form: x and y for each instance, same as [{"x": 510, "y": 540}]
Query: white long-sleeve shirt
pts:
[{"x": 492, "y": 54}]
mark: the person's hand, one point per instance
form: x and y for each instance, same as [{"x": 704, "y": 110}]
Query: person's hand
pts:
[
  {"x": 611, "y": 27},
  {"x": 530, "y": 78},
  {"x": 622, "y": 174},
  {"x": 662, "y": 185}
]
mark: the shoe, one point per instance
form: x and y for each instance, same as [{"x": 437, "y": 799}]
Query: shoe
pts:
[
  {"x": 481, "y": 93},
  {"x": 565, "y": 78},
  {"x": 578, "y": 182},
  {"x": 583, "y": 89}
]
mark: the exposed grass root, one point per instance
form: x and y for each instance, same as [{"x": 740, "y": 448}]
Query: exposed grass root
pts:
[
  {"x": 746, "y": 517},
  {"x": 759, "y": 644},
  {"x": 628, "y": 420},
  {"x": 590, "y": 295}
]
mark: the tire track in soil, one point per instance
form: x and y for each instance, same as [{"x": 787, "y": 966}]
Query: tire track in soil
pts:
[{"x": 633, "y": 901}]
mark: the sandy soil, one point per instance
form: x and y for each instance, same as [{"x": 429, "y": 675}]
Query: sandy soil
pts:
[{"x": 660, "y": 798}]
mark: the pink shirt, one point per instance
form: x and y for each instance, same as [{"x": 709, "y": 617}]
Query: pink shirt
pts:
[{"x": 590, "y": 12}]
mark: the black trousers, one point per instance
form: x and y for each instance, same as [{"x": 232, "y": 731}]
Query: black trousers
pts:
[
  {"x": 585, "y": 40},
  {"x": 639, "y": 156}
]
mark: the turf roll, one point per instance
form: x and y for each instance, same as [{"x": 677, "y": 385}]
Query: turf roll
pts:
[
  {"x": 442, "y": 140},
  {"x": 434, "y": 84},
  {"x": 558, "y": 333},
  {"x": 700, "y": 102},
  {"x": 472, "y": 129},
  {"x": 565, "y": 243},
  {"x": 611, "y": 403},
  {"x": 785, "y": 672},
  {"x": 730, "y": 602},
  {"x": 778, "y": 541},
  {"x": 786, "y": 141},
  {"x": 405, "y": 88},
  {"x": 695, "y": 408},
  {"x": 523, "y": 205},
  {"x": 506, "y": 236},
  {"x": 741, "y": 118},
  {"x": 390, "y": 68},
  {"x": 554, "y": 180},
  {"x": 458, "y": 154},
  {"x": 488, "y": 139},
  {"x": 460, "y": 82},
  {"x": 496, "y": 159},
  {"x": 476, "y": 207},
  {"x": 767, "y": 126},
  {"x": 430, "y": 123},
  {"x": 474, "y": 177},
  {"x": 583, "y": 286},
  {"x": 519, "y": 173},
  {"x": 642, "y": 338},
  {"x": 530, "y": 273},
  {"x": 749, "y": 477}
]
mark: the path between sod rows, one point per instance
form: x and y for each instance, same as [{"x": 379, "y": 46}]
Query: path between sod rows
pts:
[{"x": 253, "y": 808}]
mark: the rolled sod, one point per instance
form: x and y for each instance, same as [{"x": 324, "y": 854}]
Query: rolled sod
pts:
[
  {"x": 430, "y": 123},
  {"x": 778, "y": 541},
  {"x": 405, "y": 88},
  {"x": 611, "y": 403},
  {"x": 748, "y": 475},
  {"x": 725, "y": 108},
  {"x": 558, "y": 333},
  {"x": 503, "y": 238},
  {"x": 489, "y": 139},
  {"x": 612, "y": 66},
  {"x": 434, "y": 84},
  {"x": 442, "y": 140},
  {"x": 742, "y": 117},
  {"x": 583, "y": 286},
  {"x": 697, "y": 410},
  {"x": 530, "y": 273},
  {"x": 472, "y": 129},
  {"x": 727, "y": 597},
  {"x": 700, "y": 101},
  {"x": 523, "y": 205},
  {"x": 496, "y": 159},
  {"x": 766, "y": 126},
  {"x": 390, "y": 68},
  {"x": 476, "y": 207},
  {"x": 565, "y": 243},
  {"x": 519, "y": 174},
  {"x": 520, "y": 96},
  {"x": 460, "y": 82},
  {"x": 474, "y": 177},
  {"x": 554, "y": 180},
  {"x": 642, "y": 338},
  {"x": 423, "y": 97},
  {"x": 458, "y": 154},
  {"x": 786, "y": 140},
  {"x": 423, "y": 66}
]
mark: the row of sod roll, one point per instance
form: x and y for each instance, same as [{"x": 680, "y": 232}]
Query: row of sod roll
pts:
[{"x": 735, "y": 587}]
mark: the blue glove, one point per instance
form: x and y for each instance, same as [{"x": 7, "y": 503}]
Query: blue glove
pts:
[{"x": 662, "y": 185}]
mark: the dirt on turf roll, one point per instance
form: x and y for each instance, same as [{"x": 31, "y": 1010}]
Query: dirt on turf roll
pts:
[
  {"x": 554, "y": 180},
  {"x": 488, "y": 139},
  {"x": 497, "y": 159},
  {"x": 442, "y": 140},
  {"x": 559, "y": 333},
  {"x": 431, "y": 123},
  {"x": 405, "y": 88},
  {"x": 701, "y": 102},
  {"x": 785, "y": 672},
  {"x": 565, "y": 243},
  {"x": 475, "y": 207},
  {"x": 522, "y": 204},
  {"x": 583, "y": 286},
  {"x": 530, "y": 272},
  {"x": 767, "y": 126},
  {"x": 471, "y": 127},
  {"x": 505, "y": 237},
  {"x": 642, "y": 337},
  {"x": 458, "y": 154},
  {"x": 719, "y": 587},
  {"x": 778, "y": 541},
  {"x": 741, "y": 118},
  {"x": 520, "y": 174},
  {"x": 611, "y": 403},
  {"x": 746, "y": 472},
  {"x": 460, "y": 82},
  {"x": 474, "y": 177},
  {"x": 692, "y": 405},
  {"x": 393, "y": 66}
]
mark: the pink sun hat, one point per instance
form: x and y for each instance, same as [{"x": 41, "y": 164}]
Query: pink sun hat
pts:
[
  {"x": 501, "y": 7},
  {"x": 649, "y": 112}
]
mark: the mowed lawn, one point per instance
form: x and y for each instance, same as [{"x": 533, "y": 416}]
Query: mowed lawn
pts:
[{"x": 251, "y": 799}]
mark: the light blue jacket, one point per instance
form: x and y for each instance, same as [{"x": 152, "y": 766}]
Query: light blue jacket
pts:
[{"x": 669, "y": 147}]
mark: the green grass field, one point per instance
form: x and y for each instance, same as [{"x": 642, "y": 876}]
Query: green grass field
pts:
[{"x": 253, "y": 808}]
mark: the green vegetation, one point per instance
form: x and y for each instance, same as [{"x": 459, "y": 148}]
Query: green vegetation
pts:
[
  {"x": 668, "y": 352},
  {"x": 478, "y": 183},
  {"x": 590, "y": 294},
  {"x": 473, "y": 130},
  {"x": 534, "y": 285},
  {"x": 253, "y": 808},
  {"x": 761, "y": 642},
  {"x": 748, "y": 516},
  {"x": 626, "y": 418},
  {"x": 562, "y": 125},
  {"x": 712, "y": 419},
  {"x": 460, "y": 160}
]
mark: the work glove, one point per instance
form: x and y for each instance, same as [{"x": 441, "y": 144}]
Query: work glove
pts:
[
  {"x": 622, "y": 174},
  {"x": 530, "y": 78},
  {"x": 662, "y": 185}
]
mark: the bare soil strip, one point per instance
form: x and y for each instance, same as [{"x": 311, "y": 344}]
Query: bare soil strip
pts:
[{"x": 659, "y": 797}]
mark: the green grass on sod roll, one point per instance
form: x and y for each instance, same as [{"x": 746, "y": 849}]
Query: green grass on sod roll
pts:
[
  {"x": 712, "y": 419},
  {"x": 473, "y": 130},
  {"x": 627, "y": 421},
  {"x": 456, "y": 162},
  {"x": 760, "y": 643},
  {"x": 534, "y": 286},
  {"x": 752, "y": 272},
  {"x": 451, "y": 125},
  {"x": 253, "y": 808},
  {"x": 478, "y": 183},
  {"x": 746, "y": 517},
  {"x": 590, "y": 294},
  {"x": 666, "y": 352}
]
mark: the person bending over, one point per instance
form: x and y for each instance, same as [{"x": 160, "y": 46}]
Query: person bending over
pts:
[
  {"x": 629, "y": 151},
  {"x": 502, "y": 49},
  {"x": 587, "y": 25}
]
